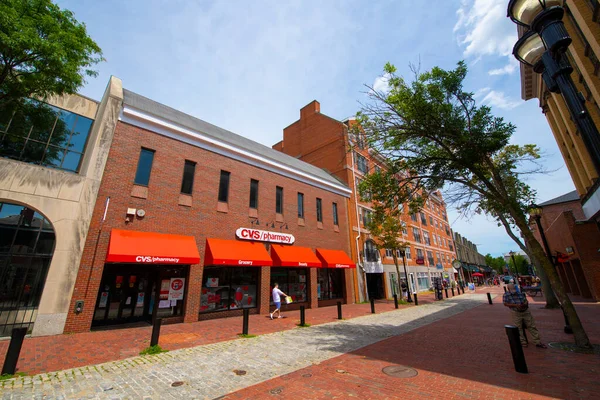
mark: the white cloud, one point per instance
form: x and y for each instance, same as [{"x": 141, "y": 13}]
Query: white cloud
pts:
[
  {"x": 381, "y": 83},
  {"x": 508, "y": 69},
  {"x": 495, "y": 98}
]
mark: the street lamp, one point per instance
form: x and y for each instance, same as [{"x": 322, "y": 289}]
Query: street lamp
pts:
[
  {"x": 535, "y": 212},
  {"x": 512, "y": 255},
  {"x": 543, "y": 48},
  {"x": 403, "y": 254}
]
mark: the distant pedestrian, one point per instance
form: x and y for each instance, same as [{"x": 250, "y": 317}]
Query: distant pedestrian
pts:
[
  {"x": 519, "y": 306},
  {"x": 277, "y": 300},
  {"x": 404, "y": 288}
]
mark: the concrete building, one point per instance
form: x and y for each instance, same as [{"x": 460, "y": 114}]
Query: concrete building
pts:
[
  {"x": 574, "y": 243},
  {"x": 51, "y": 163},
  {"x": 326, "y": 142},
  {"x": 582, "y": 21},
  {"x": 470, "y": 259},
  {"x": 196, "y": 222}
]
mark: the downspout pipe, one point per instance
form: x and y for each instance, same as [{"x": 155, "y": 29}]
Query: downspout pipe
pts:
[{"x": 360, "y": 265}]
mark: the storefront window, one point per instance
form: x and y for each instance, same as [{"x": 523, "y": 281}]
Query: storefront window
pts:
[
  {"x": 330, "y": 283},
  {"x": 422, "y": 280},
  {"x": 292, "y": 281},
  {"x": 228, "y": 288}
]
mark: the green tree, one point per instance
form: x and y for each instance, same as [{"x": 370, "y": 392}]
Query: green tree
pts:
[
  {"x": 43, "y": 50},
  {"x": 496, "y": 263},
  {"x": 519, "y": 264},
  {"x": 385, "y": 225},
  {"x": 432, "y": 128}
]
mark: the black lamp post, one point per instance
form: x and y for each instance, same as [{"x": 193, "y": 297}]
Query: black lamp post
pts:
[
  {"x": 543, "y": 47},
  {"x": 403, "y": 254},
  {"x": 512, "y": 255}
]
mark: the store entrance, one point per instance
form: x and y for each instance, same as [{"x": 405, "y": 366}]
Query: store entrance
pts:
[
  {"x": 128, "y": 294},
  {"x": 375, "y": 286}
]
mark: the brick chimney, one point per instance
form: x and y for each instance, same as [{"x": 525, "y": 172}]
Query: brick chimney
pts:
[{"x": 311, "y": 108}]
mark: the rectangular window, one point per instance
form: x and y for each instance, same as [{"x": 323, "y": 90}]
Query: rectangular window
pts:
[
  {"x": 319, "y": 210},
  {"x": 426, "y": 238},
  {"x": 416, "y": 234},
  {"x": 224, "y": 187},
  {"x": 279, "y": 200},
  {"x": 361, "y": 163},
  {"x": 423, "y": 219},
  {"x": 300, "y": 205},
  {"x": 142, "y": 175},
  {"x": 404, "y": 231},
  {"x": 419, "y": 253},
  {"x": 335, "y": 214},
  {"x": 413, "y": 217},
  {"x": 408, "y": 256},
  {"x": 225, "y": 288},
  {"x": 431, "y": 220},
  {"x": 388, "y": 253},
  {"x": 430, "y": 258},
  {"x": 187, "y": 184},
  {"x": 292, "y": 281},
  {"x": 366, "y": 215},
  {"x": 434, "y": 239},
  {"x": 253, "y": 193},
  {"x": 330, "y": 283}
]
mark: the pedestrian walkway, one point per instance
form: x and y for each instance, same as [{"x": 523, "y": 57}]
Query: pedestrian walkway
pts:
[
  {"x": 465, "y": 356},
  {"x": 55, "y": 353},
  {"x": 214, "y": 370}
]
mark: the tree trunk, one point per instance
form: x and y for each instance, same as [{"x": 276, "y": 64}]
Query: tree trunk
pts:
[
  {"x": 395, "y": 258},
  {"x": 551, "y": 300},
  {"x": 581, "y": 338}
]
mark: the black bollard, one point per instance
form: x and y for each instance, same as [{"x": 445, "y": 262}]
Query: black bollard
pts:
[
  {"x": 516, "y": 349},
  {"x": 416, "y": 299},
  {"x": 452, "y": 292},
  {"x": 489, "y": 298},
  {"x": 339, "y": 304},
  {"x": 372, "y": 306},
  {"x": 446, "y": 291},
  {"x": 14, "y": 349},
  {"x": 396, "y": 301},
  {"x": 155, "y": 331},
  {"x": 303, "y": 316},
  {"x": 245, "y": 321},
  {"x": 463, "y": 290}
]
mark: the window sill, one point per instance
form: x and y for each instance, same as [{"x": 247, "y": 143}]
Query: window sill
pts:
[
  {"x": 336, "y": 228},
  {"x": 278, "y": 217},
  {"x": 301, "y": 221},
  {"x": 319, "y": 225},
  {"x": 222, "y": 207},
  {"x": 141, "y": 192},
  {"x": 185, "y": 200},
  {"x": 252, "y": 213}
]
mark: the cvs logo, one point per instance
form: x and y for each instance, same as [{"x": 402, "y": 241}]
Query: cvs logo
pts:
[{"x": 143, "y": 259}]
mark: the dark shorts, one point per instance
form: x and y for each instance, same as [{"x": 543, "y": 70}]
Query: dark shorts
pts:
[{"x": 277, "y": 304}]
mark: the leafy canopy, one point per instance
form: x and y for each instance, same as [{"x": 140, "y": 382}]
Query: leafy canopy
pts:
[
  {"x": 496, "y": 263},
  {"x": 43, "y": 50}
]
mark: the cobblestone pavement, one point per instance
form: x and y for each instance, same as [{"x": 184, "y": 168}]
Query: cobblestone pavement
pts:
[{"x": 209, "y": 371}]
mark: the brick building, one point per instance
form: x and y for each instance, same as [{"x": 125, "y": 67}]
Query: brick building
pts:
[
  {"x": 325, "y": 142},
  {"x": 471, "y": 260},
  {"x": 574, "y": 243},
  {"x": 52, "y": 156},
  {"x": 193, "y": 222}
]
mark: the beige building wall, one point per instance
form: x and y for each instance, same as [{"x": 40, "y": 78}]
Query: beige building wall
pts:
[{"x": 65, "y": 199}]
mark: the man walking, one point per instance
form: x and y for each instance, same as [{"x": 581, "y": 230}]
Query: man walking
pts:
[
  {"x": 519, "y": 306},
  {"x": 277, "y": 300}
]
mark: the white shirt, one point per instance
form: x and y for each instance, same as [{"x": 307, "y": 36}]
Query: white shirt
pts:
[{"x": 276, "y": 295}]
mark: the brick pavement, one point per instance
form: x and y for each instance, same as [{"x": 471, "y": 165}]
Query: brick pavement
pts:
[
  {"x": 54, "y": 353},
  {"x": 208, "y": 371},
  {"x": 465, "y": 356}
]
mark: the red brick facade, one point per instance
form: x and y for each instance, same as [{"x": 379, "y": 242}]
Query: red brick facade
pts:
[
  {"x": 200, "y": 217},
  {"x": 566, "y": 229}
]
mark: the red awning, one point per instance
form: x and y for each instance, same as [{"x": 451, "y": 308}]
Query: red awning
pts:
[
  {"x": 151, "y": 248},
  {"x": 232, "y": 252},
  {"x": 292, "y": 256},
  {"x": 335, "y": 259}
]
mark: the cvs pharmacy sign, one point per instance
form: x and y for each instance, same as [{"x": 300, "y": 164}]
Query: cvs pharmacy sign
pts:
[{"x": 264, "y": 236}]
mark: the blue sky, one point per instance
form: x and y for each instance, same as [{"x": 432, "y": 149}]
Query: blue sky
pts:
[{"x": 250, "y": 66}]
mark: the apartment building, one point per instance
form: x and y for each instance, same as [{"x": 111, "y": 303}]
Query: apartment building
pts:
[{"x": 327, "y": 143}]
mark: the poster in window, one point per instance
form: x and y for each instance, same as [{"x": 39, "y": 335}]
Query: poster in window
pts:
[
  {"x": 212, "y": 282},
  {"x": 140, "y": 300},
  {"x": 103, "y": 300},
  {"x": 164, "y": 304},
  {"x": 118, "y": 281},
  {"x": 165, "y": 284},
  {"x": 302, "y": 278},
  {"x": 176, "y": 289}
]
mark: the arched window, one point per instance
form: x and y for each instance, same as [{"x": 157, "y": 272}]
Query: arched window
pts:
[
  {"x": 371, "y": 252},
  {"x": 26, "y": 247}
]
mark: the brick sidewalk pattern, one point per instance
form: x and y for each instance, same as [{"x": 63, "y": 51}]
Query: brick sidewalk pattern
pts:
[
  {"x": 208, "y": 371},
  {"x": 55, "y": 353},
  {"x": 463, "y": 357}
]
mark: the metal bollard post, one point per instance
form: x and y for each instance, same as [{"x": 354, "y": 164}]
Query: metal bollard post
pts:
[
  {"x": 446, "y": 291},
  {"x": 416, "y": 299},
  {"x": 245, "y": 320},
  {"x": 516, "y": 349},
  {"x": 339, "y": 305},
  {"x": 452, "y": 292},
  {"x": 14, "y": 349},
  {"x": 396, "y": 301},
  {"x": 489, "y": 298},
  {"x": 303, "y": 316},
  {"x": 463, "y": 290},
  {"x": 372, "y": 306},
  {"x": 155, "y": 331}
]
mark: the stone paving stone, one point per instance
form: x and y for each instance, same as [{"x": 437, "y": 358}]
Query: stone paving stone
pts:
[{"x": 208, "y": 370}]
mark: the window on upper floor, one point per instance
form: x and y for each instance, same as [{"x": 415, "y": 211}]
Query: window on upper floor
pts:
[
  {"x": 319, "y": 210},
  {"x": 431, "y": 220},
  {"x": 389, "y": 253},
  {"x": 253, "y": 194},
  {"x": 334, "y": 211},
  {"x": 41, "y": 134},
  {"x": 187, "y": 182},
  {"x": 371, "y": 252},
  {"x": 300, "y": 205},
  {"x": 407, "y": 252},
  {"x": 420, "y": 253},
  {"x": 423, "y": 219},
  {"x": 366, "y": 217},
  {"x": 361, "y": 163},
  {"x": 224, "y": 186},
  {"x": 413, "y": 217},
  {"x": 144, "y": 167},
  {"x": 279, "y": 200},
  {"x": 416, "y": 234},
  {"x": 430, "y": 258},
  {"x": 426, "y": 238}
]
